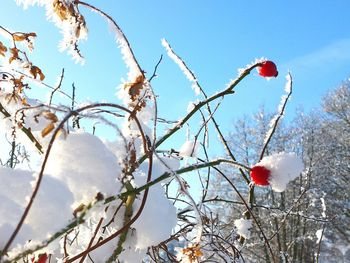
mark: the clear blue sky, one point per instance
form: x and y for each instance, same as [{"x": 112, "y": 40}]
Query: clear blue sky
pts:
[{"x": 215, "y": 38}]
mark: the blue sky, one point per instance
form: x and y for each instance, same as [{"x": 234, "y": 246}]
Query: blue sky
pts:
[{"x": 215, "y": 38}]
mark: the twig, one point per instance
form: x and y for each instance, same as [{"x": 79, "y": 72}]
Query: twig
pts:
[
  {"x": 278, "y": 116},
  {"x": 58, "y": 87}
]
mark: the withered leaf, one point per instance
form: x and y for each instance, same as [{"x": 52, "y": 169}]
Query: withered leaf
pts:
[
  {"x": 135, "y": 87},
  {"x": 12, "y": 96},
  {"x": 193, "y": 252},
  {"x": 19, "y": 36},
  {"x": 24, "y": 102},
  {"x": 3, "y": 49},
  {"x": 50, "y": 116},
  {"x": 35, "y": 71},
  {"x": 80, "y": 208},
  {"x": 60, "y": 9},
  {"x": 47, "y": 129},
  {"x": 14, "y": 54}
]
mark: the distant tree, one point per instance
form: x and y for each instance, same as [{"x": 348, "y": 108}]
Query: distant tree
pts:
[{"x": 310, "y": 220}]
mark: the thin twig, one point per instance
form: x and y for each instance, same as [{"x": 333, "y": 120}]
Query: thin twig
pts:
[{"x": 58, "y": 86}]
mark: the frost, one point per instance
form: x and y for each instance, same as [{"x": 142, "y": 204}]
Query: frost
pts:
[
  {"x": 280, "y": 109},
  {"x": 243, "y": 227},
  {"x": 192, "y": 105},
  {"x": 188, "y": 73},
  {"x": 128, "y": 56}
]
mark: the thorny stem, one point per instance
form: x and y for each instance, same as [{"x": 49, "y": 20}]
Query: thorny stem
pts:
[{"x": 12, "y": 157}]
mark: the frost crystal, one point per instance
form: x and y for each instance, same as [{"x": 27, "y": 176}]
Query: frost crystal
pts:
[{"x": 188, "y": 73}]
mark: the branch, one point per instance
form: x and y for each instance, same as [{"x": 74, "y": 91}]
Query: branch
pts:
[
  {"x": 182, "y": 171},
  {"x": 279, "y": 115},
  {"x": 227, "y": 91}
]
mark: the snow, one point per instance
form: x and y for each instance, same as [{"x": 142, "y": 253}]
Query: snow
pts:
[
  {"x": 319, "y": 234},
  {"x": 189, "y": 149},
  {"x": 43, "y": 218},
  {"x": 154, "y": 224},
  {"x": 243, "y": 227},
  {"x": 86, "y": 165},
  {"x": 284, "y": 168}
]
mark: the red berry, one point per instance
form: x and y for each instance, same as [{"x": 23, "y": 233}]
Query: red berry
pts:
[
  {"x": 260, "y": 175},
  {"x": 42, "y": 258},
  {"x": 268, "y": 69}
]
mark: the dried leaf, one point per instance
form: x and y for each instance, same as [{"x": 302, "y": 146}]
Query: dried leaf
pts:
[
  {"x": 19, "y": 84},
  {"x": 24, "y": 102},
  {"x": 19, "y": 36},
  {"x": 14, "y": 54},
  {"x": 50, "y": 116},
  {"x": 135, "y": 87},
  {"x": 12, "y": 96},
  {"x": 34, "y": 71},
  {"x": 62, "y": 132},
  {"x": 193, "y": 252},
  {"x": 60, "y": 9},
  {"x": 47, "y": 129},
  {"x": 79, "y": 209},
  {"x": 3, "y": 49}
]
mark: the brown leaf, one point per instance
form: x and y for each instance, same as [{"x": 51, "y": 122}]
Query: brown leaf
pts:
[
  {"x": 19, "y": 84},
  {"x": 3, "y": 49},
  {"x": 19, "y": 36},
  {"x": 135, "y": 87},
  {"x": 34, "y": 71},
  {"x": 193, "y": 252},
  {"x": 12, "y": 96},
  {"x": 60, "y": 9},
  {"x": 50, "y": 116},
  {"x": 47, "y": 129},
  {"x": 24, "y": 102},
  {"x": 14, "y": 54}
]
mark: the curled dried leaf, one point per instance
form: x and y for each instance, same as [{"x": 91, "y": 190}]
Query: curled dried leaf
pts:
[
  {"x": 192, "y": 252},
  {"x": 3, "y": 49},
  {"x": 50, "y": 116},
  {"x": 60, "y": 9},
  {"x": 47, "y": 129},
  {"x": 18, "y": 83},
  {"x": 19, "y": 36},
  {"x": 14, "y": 54},
  {"x": 35, "y": 71},
  {"x": 134, "y": 88}
]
